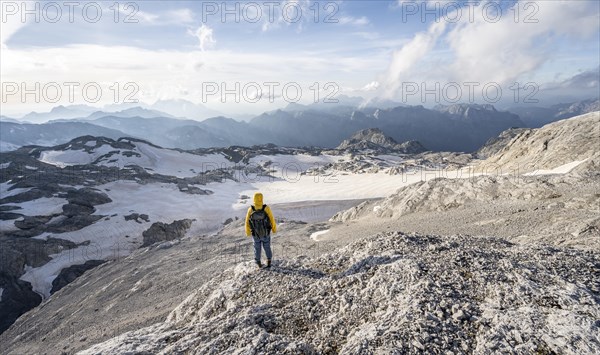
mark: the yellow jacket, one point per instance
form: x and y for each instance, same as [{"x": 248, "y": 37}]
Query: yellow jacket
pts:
[{"x": 258, "y": 204}]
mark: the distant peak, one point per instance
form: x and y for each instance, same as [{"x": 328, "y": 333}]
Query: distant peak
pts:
[
  {"x": 375, "y": 139},
  {"x": 464, "y": 109}
]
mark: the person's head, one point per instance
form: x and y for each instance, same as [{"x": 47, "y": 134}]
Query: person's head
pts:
[{"x": 258, "y": 200}]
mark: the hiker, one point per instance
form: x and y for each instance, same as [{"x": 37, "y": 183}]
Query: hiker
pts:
[{"x": 259, "y": 223}]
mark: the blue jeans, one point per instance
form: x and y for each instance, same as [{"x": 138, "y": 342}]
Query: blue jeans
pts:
[{"x": 265, "y": 242}]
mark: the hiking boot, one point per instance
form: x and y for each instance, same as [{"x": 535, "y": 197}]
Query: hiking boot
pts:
[
  {"x": 268, "y": 263},
  {"x": 259, "y": 265}
]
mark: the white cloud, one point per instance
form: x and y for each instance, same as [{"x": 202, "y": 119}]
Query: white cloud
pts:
[
  {"x": 349, "y": 20},
  {"x": 172, "y": 17},
  {"x": 10, "y": 24},
  {"x": 205, "y": 36},
  {"x": 504, "y": 50},
  {"x": 484, "y": 51},
  {"x": 180, "y": 16},
  {"x": 367, "y": 35},
  {"x": 276, "y": 19},
  {"x": 404, "y": 60},
  {"x": 163, "y": 73},
  {"x": 372, "y": 86},
  {"x": 142, "y": 16}
]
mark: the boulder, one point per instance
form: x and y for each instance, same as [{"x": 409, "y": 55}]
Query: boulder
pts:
[
  {"x": 69, "y": 274},
  {"x": 160, "y": 232}
]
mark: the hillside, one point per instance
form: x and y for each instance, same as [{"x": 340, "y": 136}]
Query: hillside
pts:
[
  {"x": 551, "y": 146},
  {"x": 496, "y": 144},
  {"x": 557, "y": 198},
  {"x": 392, "y": 291},
  {"x": 116, "y": 196}
]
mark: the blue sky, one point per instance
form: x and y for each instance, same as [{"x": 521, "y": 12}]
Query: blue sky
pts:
[{"x": 370, "y": 49}]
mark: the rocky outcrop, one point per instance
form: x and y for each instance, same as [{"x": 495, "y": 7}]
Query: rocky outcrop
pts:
[
  {"x": 32, "y": 222},
  {"x": 69, "y": 274},
  {"x": 161, "y": 232},
  {"x": 76, "y": 214},
  {"x": 369, "y": 135},
  {"x": 192, "y": 190},
  {"x": 87, "y": 196},
  {"x": 577, "y": 108},
  {"x": 16, "y": 298},
  {"x": 444, "y": 194},
  {"x": 393, "y": 293},
  {"x": 15, "y": 253},
  {"x": 549, "y": 147},
  {"x": 374, "y": 139},
  {"x": 137, "y": 217},
  {"x": 496, "y": 144}
]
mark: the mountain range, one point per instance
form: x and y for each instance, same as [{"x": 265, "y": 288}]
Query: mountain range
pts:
[
  {"x": 460, "y": 127},
  {"x": 161, "y": 108},
  {"x": 535, "y": 116}
]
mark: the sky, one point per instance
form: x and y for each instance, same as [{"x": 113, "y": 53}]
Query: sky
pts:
[{"x": 247, "y": 57}]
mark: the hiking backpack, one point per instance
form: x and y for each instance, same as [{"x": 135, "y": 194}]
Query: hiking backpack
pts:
[{"x": 259, "y": 222}]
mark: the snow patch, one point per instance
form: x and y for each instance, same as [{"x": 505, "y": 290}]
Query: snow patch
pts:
[
  {"x": 7, "y": 147},
  {"x": 8, "y": 225},
  {"x": 295, "y": 187},
  {"x": 155, "y": 160},
  {"x": 315, "y": 235},
  {"x": 41, "y": 278},
  {"x": 4, "y": 190},
  {"x": 311, "y": 211},
  {"x": 563, "y": 169},
  {"x": 66, "y": 158},
  {"x": 172, "y": 162},
  {"x": 43, "y": 206},
  {"x": 117, "y": 238}
]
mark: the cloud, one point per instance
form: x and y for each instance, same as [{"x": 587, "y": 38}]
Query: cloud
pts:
[
  {"x": 372, "y": 86},
  {"x": 142, "y": 16},
  {"x": 10, "y": 24},
  {"x": 205, "y": 37},
  {"x": 586, "y": 80},
  {"x": 404, "y": 59},
  {"x": 367, "y": 35},
  {"x": 504, "y": 50},
  {"x": 485, "y": 49},
  {"x": 275, "y": 19},
  {"x": 349, "y": 20},
  {"x": 172, "y": 17},
  {"x": 164, "y": 73},
  {"x": 180, "y": 15}
]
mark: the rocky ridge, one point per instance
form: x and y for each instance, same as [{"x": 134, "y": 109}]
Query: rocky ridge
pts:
[
  {"x": 390, "y": 293},
  {"x": 374, "y": 139},
  {"x": 551, "y": 146},
  {"x": 496, "y": 144}
]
